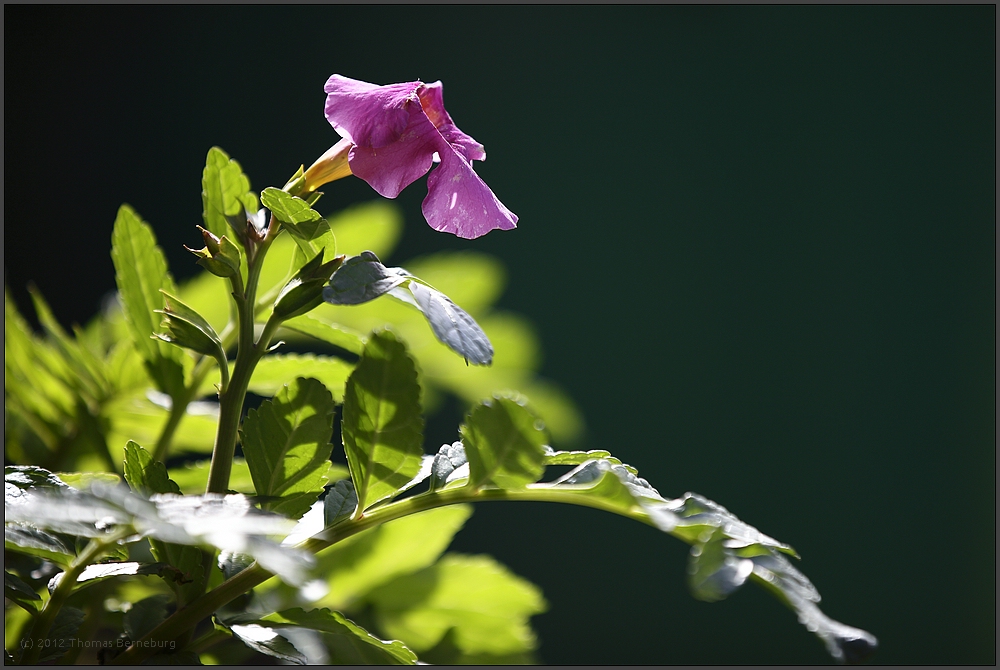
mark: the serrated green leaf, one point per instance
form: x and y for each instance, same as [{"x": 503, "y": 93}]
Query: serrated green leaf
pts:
[
  {"x": 143, "y": 474},
  {"x": 325, "y": 331},
  {"x": 345, "y": 641},
  {"x": 308, "y": 229},
  {"x": 225, "y": 191},
  {"x": 146, "y": 476},
  {"x": 141, "y": 272},
  {"x": 382, "y": 424},
  {"x": 286, "y": 443},
  {"x": 504, "y": 443},
  {"x": 485, "y": 605},
  {"x": 288, "y": 208},
  {"x": 726, "y": 551},
  {"x": 340, "y": 502}
]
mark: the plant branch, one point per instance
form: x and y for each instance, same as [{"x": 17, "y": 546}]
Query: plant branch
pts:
[
  {"x": 248, "y": 353},
  {"x": 43, "y": 622},
  {"x": 242, "y": 582}
]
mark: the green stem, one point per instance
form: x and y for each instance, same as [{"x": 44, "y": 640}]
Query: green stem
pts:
[
  {"x": 243, "y": 581},
  {"x": 43, "y": 622},
  {"x": 248, "y": 353},
  {"x": 209, "y": 639}
]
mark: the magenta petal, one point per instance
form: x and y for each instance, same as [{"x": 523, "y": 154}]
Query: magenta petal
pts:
[
  {"x": 366, "y": 114},
  {"x": 432, "y": 101},
  {"x": 461, "y": 203},
  {"x": 391, "y": 168}
]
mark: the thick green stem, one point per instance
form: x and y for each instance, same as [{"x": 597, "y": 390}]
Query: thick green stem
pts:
[
  {"x": 247, "y": 354},
  {"x": 33, "y": 642}
]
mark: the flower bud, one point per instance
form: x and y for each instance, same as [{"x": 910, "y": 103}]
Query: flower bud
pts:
[
  {"x": 186, "y": 328},
  {"x": 304, "y": 291},
  {"x": 220, "y": 256}
]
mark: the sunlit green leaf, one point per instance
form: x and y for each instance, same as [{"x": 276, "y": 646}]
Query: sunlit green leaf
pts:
[
  {"x": 307, "y": 228},
  {"x": 146, "y": 476},
  {"x": 382, "y": 424},
  {"x": 276, "y": 370},
  {"x": 225, "y": 191},
  {"x": 573, "y": 457},
  {"x": 143, "y": 474},
  {"x": 504, "y": 444},
  {"x": 141, "y": 272},
  {"x": 288, "y": 208},
  {"x": 286, "y": 443},
  {"x": 83, "y": 480},
  {"x": 328, "y": 332},
  {"x": 486, "y": 605}
]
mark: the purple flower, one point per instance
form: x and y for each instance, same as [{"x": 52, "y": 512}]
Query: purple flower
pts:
[{"x": 398, "y": 132}]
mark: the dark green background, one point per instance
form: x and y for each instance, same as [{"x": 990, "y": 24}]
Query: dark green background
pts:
[{"x": 758, "y": 242}]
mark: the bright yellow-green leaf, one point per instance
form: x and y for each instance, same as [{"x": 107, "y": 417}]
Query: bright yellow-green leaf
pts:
[{"x": 487, "y": 606}]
